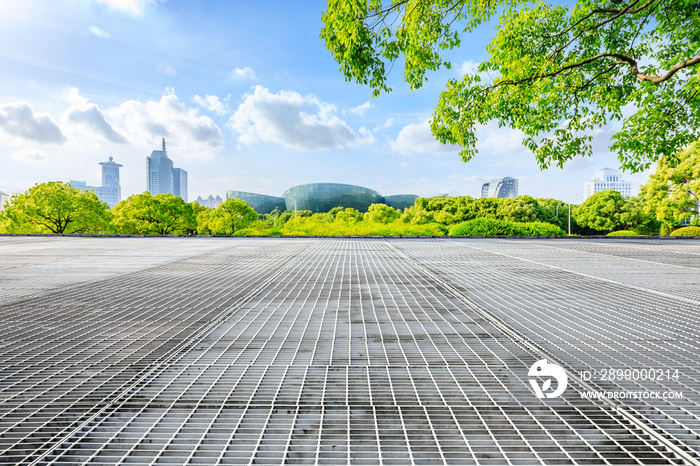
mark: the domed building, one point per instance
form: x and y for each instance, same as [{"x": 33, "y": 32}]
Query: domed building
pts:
[{"x": 322, "y": 197}]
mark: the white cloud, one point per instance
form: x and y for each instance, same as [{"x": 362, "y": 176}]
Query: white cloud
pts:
[
  {"x": 494, "y": 140},
  {"x": 367, "y": 136},
  {"x": 130, "y": 7},
  {"x": 360, "y": 109},
  {"x": 472, "y": 67},
  {"x": 194, "y": 135},
  {"x": 89, "y": 116},
  {"x": 93, "y": 118},
  {"x": 18, "y": 119},
  {"x": 468, "y": 67},
  {"x": 30, "y": 156},
  {"x": 418, "y": 139},
  {"x": 303, "y": 123},
  {"x": 243, "y": 73},
  {"x": 211, "y": 103}
]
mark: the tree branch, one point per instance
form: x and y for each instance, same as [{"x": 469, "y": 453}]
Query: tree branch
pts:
[{"x": 624, "y": 59}]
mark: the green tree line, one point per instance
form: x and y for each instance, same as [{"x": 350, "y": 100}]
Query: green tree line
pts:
[{"x": 669, "y": 199}]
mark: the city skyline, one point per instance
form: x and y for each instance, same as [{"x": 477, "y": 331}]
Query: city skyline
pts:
[{"x": 85, "y": 80}]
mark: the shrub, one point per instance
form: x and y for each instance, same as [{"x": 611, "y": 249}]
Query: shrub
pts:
[
  {"x": 312, "y": 226},
  {"x": 246, "y": 231},
  {"x": 687, "y": 231},
  {"x": 496, "y": 227},
  {"x": 623, "y": 233}
]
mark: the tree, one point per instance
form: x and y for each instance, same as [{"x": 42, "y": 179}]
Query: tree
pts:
[
  {"x": 673, "y": 191},
  {"x": 552, "y": 214},
  {"x": 56, "y": 207},
  {"x": 519, "y": 209},
  {"x": 382, "y": 213},
  {"x": 349, "y": 215},
  {"x": 603, "y": 211},
  {"x": 229, "y": 216},
  {"x": 555, "y": 72},
  {"x": 162, "y": 214}
]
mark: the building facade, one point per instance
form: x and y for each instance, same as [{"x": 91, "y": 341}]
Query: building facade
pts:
[
  {"x": 606, "y": 179},
  {"x": 180, "y": 183},
  {"x": 500, "y": 187},
  {"x": 322, "y": 197},
  {"x": 111, "y": 190},
  {"x": 159, "y": 172},
  {"x": 162, "y": 177},
  {"x": 111, "y": 184},
  {"x": 211, "y": 201}
]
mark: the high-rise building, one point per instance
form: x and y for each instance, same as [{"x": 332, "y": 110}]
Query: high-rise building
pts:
[
  {"x": 159, "y": 172},
  {"x": 110, "y": 182},
  {"x": 605, "y": 179},
  {"x": 111, "y": 190},
  {"x": 162, "y": 177},
  {"x": 180, "y": 183},
  {"x": 500, "y": 187}
]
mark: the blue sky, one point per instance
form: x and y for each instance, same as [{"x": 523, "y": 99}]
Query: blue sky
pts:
[{"x": 247, "y": 97}]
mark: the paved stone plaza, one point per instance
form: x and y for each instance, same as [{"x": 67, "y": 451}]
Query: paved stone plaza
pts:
[{"x": 347, "y": 350}]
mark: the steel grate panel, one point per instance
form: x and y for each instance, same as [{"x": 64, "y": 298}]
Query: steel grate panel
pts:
[{"x": 303, "y": 351}]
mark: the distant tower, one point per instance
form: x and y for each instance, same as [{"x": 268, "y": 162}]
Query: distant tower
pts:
[
  {"x": 159, "y": 172},
  {"x": 110, "y": 182}
]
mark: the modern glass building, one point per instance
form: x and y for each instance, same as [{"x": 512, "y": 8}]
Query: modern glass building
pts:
[
  {"x": 162, "y": 177},
  {"x": 322, "y": 197},
  {"x": 180, "y": 183},
  {"x": 159, "y": 172},
  {"x": 110, "y": 180},
  {"x": 400, "y": 201},
  {"x": 500, "y": 187},
  {"x": 261, "y": 203}
]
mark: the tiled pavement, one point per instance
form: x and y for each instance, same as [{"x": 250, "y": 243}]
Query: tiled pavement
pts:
[{"x": 345, "y": 350}]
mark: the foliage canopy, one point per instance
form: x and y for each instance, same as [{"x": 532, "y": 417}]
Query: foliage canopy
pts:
[
  {"x": 604, "y": 211},
  {"x": 556, "y": 72},
  {"x": 56, "y": 207},
  {"x": 229, "y": 217},
  {"x": 673, "y": 190},
  {"x": 162, "y": 214}
]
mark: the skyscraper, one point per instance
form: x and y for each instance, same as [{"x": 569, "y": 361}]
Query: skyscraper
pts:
[
  {"x": 159, "y": 172},
  {"x": 162, "y": 177},
  {"x": 111, "y": 187},
  {"x": 180, "y": 183}
]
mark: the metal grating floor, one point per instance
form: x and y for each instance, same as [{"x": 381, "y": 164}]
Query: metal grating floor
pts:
[{"x": 342, "y": 350}]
